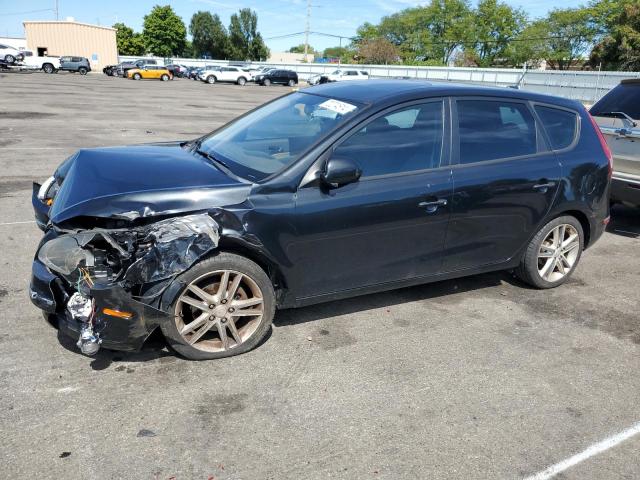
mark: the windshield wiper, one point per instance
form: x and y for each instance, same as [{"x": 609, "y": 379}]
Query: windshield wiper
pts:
[
  {"x": 213, "y": 159},
  {"x": 617, "y": 114}
]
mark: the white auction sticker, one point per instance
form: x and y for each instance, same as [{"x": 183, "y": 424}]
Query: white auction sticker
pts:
[{"x": 337, "y": 106}]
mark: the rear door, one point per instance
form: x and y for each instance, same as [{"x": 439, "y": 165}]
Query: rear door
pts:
[{"x": 505, "y": 180}]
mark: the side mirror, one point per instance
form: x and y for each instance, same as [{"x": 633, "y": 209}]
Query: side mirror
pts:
[{"x": 340, "y": 171}]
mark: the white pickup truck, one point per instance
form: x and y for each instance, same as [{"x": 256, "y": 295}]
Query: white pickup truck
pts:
[{"x": 33, "y": 62}]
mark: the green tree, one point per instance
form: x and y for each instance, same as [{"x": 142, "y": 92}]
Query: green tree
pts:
[
  {"x": 495, "y": 25},
  {"x": 128, "y": 42},
  {"x": 164, "y": 32},
  {"x": 530, "y": 46},
  {"x": 571, "y": 33},
  {"x": 619, "y": 23},
  {"x": 245, "y": 41},
  {"x": 300, "y": 49},
  {"x": 209, "y": 35},
  {"x": 378, "y": 51}
]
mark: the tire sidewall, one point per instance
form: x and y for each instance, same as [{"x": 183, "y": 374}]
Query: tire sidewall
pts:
[
  {"x": 530, "y": 260},
  {"x": 220, "y": 261}
]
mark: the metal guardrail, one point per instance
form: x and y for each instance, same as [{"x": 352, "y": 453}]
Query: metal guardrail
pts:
[{"x": 587, "y": 87}]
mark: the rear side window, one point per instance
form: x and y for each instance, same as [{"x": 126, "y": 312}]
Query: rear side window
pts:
[
  {"x": 491, "y": 130},
  {"x": 560, "y": 125}
]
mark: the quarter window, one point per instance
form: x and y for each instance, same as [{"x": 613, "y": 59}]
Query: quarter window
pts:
[
  {"x": 560, "y": 125},
  {"x": 491, "y": 130},
  {"x": 406, "y": 140}
]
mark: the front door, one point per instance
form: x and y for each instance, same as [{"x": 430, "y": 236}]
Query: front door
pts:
[
  {"x": 391, "y": 224},
  {"x": 505, "y": 181}
]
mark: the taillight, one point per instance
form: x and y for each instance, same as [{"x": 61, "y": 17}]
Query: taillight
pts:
[{"x": 603, "y": 144}]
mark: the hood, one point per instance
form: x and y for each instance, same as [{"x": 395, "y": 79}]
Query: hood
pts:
[{"x": 141, "y": 181}]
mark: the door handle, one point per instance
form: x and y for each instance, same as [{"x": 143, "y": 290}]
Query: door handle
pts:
[
  {"x": 544, "y": 186},
  {"x": 432, "y": 206}
]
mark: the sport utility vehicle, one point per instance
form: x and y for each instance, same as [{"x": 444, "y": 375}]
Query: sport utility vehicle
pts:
[
  {"x": 225, "y": 74},
  {"x": 75, "y": 64}
]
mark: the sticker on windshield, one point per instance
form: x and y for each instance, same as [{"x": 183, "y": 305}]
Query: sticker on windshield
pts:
[{"x": 341, "y": 108}]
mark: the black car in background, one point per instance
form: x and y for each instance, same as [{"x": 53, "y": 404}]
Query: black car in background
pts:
[
  {"x": 334, "y": 191},
  {"x": 80, "y": 65},
  {"x": 178, "y": 71},
  {"x": 279, "y": 77}
]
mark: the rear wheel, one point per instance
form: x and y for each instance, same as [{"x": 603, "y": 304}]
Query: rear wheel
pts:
[
  {"x": 553, "y": 253},
  {"x": 164, "y": 77},
  {"x": 82, "y": 71},
  {"x": 225, "y": 309},
  {"x": 9, "y": 58},
  {"x": 242, "y": 81},
  {"x": 291, "y": 83},
  {"x": 114, "y": 73},
  {"x": 137, "y": 76},
  {"x": 47, "y": 68},
  {"x": 211, "y": 79}
]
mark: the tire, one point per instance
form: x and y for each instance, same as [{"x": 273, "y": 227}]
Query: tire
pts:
[
  {"x": 254, "y": 286},
  {"x": 241, "y": 81},
  {"x": 114, "y": 73},
  {"x": 211, "y": 79},
  {"x": 164, "y": 77},
  {"x": 541, "y": 266},
  {"x": 47, "y": 68},
  {"x": 9, "y": 58},
  {"x": 137, "y": 76},
  {"x": 82, "y": 71},
  {"x": 291, "y": 83},
  {"x": 266, "y": 82}
]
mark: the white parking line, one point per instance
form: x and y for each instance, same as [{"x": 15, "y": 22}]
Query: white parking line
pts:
[
  {"x": 16, "y": 223},
  {"x": 593, "y": 450}
]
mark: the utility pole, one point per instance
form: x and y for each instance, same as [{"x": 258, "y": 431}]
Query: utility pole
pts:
[
  {"x": 306, "y": 31},
  {"x": 56, "y": 10}
]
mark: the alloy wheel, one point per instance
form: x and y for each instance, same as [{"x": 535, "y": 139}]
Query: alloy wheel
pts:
[
  {"x": 219, "y": 311},
  {"x": 558, "y": 253}
]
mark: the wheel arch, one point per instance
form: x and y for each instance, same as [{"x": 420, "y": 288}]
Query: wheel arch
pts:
[{"x": 584, "y": 223}]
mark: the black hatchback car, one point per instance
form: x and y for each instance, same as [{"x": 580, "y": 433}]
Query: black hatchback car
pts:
[
  {"x": 335, "y": 191},
  {"x": 278, "y": 77}
]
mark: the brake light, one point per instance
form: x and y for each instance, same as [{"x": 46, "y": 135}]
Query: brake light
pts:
[{"x": 603, "y": 144}]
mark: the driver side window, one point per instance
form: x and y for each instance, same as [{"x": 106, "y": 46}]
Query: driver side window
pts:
[{"x": 402, "y": 141}]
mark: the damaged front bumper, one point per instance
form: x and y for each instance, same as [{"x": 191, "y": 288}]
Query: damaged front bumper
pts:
[{"x": 127, "y": 277}]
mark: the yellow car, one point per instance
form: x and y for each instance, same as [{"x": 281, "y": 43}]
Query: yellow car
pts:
[{"x": 150, "y": 72}]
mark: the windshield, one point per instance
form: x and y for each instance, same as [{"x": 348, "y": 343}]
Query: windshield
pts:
[
  {"x": 623, "y": 98},
  {"x": 274, "y": 136}
]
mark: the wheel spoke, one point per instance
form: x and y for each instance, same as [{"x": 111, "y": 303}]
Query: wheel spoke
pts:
[
  {"x": 570, "y": 248},
  {"x": 565, "y": 262},
  {"x": 234, "y": 331},
  {"x": 560, "y": 266},
  {"x": 222, "y": 289},
  {"x": 234, "y": 286},
  {"x": 194, "y": 324},
  {"x": 199, "y": 304},
  {"x": 558, "y": 236},
  {"x": 547, "y": 269},
  {"x": 573, "y": 239},
  {"x": 197, "y": 335},
  {"x": 246, "y": 313},
  {"x": 222, "y": 331},
  {"x": 250, "y": 302},
  {"x": 546, "y": 251},
  {"x": 201, "y": 293}
]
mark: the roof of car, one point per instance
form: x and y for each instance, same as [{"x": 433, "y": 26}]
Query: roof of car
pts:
[{"x": 381, "y": 91}]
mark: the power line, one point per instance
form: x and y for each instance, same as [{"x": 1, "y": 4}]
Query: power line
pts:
[{"x": 26, "y": 13}]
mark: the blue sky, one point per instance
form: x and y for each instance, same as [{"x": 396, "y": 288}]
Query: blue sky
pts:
[{"x": 276, "y": 17}]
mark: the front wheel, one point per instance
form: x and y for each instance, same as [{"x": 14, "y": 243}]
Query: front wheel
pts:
[
  {"x": 211, "y": 79},
  {"x": 164, "y": 77},
  {"x": 553, "y": 253},
  {"x": 225, "y": 309},
  {"x": 9, "y": 58},
  {"x": 137, "y": 76},
  {"x": 47, "y": 68},
  {"x": 242, "y": 81},
  {"x": 266, "y": 82}
]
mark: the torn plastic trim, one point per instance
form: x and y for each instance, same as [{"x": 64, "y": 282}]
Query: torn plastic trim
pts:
[{"x": 152, "y": 253}]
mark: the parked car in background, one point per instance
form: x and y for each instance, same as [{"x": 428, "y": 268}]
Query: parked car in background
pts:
[
  {"x": 225, "y": 74},
  {"x": 278, "y": 77},
  {"x": 10, "y": 54},
  {"x": 80, "y": 65},
  {"x": 618, "y": 116},
  {"x": 108, "y": 70},
  {"x": 314, "y": 79},
  {"x": 123, "y": 67},
  {"x": 150, "y": 72},
  {"x": 177, "y": 70},
  {"x": 33, "y": 62},
  {"x": 341, "y": 75}
]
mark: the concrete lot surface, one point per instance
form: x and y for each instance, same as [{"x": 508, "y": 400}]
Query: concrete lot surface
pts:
[{"x": 478, "y": 378}]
